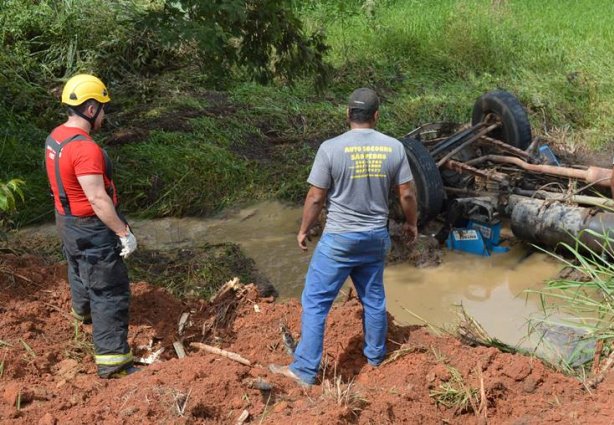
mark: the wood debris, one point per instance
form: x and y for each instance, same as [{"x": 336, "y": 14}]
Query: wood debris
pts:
[
  {"x": 183, "y": 321},
  {"x": 228, "y": 354},
  {"x": 287, "y": 338},
  {"x": 152, "y": 358},
  {"x": 230, "y": 286},
  {"x": 243, "y": 417},
  {"x": 596, "y": 380},
  {"x": 179, "y": 349}
]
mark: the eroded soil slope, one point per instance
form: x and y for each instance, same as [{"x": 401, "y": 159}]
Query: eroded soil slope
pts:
[{"x": 48, "y": 375}]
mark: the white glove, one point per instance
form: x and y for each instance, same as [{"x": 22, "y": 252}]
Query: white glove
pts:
[{"x": 129, "y": 244}]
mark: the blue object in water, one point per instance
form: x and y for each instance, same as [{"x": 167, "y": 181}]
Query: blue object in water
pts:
[
  {"x": 467, "y": 240},
  {"x": 549, "y": 158},
  {"x": 491, "y": 233},
  {"x": 500, "y": 249},
  {"x": 477, "y": 238}
]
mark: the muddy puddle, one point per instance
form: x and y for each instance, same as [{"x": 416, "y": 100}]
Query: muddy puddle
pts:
[{"x": 491, "y": 289}]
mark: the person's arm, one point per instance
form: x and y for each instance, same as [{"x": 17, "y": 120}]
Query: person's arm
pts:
[
  {"x": 102, "y": 204},
  {"x": 314, "y": 202},
  {"x": 409, "y": 204}
]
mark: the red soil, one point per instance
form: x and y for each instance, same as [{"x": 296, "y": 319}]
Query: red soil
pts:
[{"x": 52, "y": 378}]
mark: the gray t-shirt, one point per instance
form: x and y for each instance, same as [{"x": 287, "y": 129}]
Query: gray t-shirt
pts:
[{"x": 358, "y": 168}]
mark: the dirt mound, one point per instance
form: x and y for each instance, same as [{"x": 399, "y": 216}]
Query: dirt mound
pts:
[{"x": 48, "y": 375}]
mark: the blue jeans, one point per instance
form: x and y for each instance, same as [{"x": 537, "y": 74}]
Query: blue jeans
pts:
[{"x": 361, "y": 256}]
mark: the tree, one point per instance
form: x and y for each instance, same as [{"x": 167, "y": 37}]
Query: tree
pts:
[{"x": 264, "y": 38}]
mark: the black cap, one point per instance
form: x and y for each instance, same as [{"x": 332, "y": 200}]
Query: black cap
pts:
[{"x": 364, "y": 99}]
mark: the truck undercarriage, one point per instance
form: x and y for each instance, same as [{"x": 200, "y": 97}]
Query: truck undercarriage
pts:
[{"x": 477, "y": 174}]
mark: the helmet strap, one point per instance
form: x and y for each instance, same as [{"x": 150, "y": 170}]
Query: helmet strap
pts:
[{"x": 92, "y": 119}]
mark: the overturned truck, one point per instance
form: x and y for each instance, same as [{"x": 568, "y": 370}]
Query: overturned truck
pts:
[{"x": 493, "y": 169}]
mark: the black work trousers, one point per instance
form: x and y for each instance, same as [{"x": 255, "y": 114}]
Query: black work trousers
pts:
[{"x": 99, "y": 286}]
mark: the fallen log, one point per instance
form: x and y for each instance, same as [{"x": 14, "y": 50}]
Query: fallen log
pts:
[{"x": 228, "y": 354}]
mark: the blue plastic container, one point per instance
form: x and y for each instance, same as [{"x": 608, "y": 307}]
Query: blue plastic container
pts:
[
  {"x": 477, "y": 238},
  {"x": 491, "y": 233},
  {"x": 467, "y": 240}
]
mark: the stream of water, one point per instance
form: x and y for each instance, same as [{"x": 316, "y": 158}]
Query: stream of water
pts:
[{"x": 492, "y": 289}]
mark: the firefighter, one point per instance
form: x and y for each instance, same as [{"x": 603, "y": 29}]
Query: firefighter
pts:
[{"x": 95, "y": 237}]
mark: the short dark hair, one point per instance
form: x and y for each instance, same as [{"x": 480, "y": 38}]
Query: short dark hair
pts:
[
  {"x": 361, "y": 116},
  {"x": 81, "y": 108}
]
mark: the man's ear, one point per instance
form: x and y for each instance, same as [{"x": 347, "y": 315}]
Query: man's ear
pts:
[
  {"x": 376, "y": 116},
  {"x": 90, "y": 110}
]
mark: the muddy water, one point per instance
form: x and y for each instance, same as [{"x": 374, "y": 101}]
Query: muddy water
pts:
[
  {"x": 490, "y": 289},
  {"x": 266, "y": 233}
]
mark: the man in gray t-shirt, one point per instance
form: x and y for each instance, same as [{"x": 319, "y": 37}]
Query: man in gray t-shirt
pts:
[
  {"x": 353, "y": 174},
  {"x": 357, "y": 169}
]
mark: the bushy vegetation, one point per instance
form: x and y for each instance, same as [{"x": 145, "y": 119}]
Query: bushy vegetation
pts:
[
  {"x": 196, "y": 149},
  {"x": 167, "y": 173},
  {"x": 10, "y": 193},
  {"x": 265, "y": 38},
  {"x": 583, "y": 302}
]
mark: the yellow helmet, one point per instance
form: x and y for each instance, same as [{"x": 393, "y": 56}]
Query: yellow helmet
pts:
[{"x": 83, "y": 87}]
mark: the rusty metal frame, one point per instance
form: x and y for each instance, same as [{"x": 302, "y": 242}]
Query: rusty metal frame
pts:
[
  {"x": 462, "y": 167},
  {"x": 593, "y": 175}
]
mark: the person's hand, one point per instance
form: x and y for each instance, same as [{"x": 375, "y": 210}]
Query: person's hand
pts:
[
  {"x": 128, "y": 242},
  {"x": 302, "y": 239},
  {"x": 411, "y": 231}
]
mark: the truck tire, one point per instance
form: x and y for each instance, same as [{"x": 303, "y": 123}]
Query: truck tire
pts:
[
  {"x": 429, "y": 186},
  {"x": 516, "y": 130}
]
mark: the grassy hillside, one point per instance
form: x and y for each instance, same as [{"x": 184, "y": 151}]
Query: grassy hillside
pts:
[
  {"x": 182, "y": 148},
  {"x": 432, "y": 59}
]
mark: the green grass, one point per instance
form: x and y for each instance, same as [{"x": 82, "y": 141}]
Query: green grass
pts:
[
  {"x": 179, "y": 175},
  {"x": 433, "y": 59},
  {"x": 585, "y": 301},
  {"x": 194, "y": 273},
  {"x": 456, "y": 393}
]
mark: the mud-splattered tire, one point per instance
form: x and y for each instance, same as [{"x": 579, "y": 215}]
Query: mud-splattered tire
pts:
[
  {"x": 516, "y": 130},
  {"x": 429, "y": 185}
]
